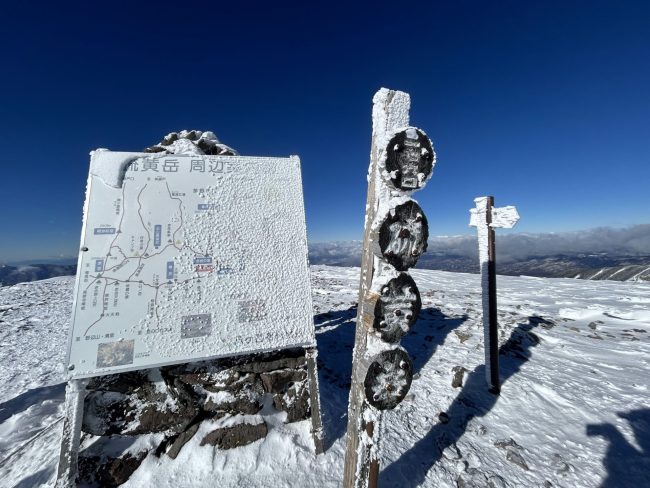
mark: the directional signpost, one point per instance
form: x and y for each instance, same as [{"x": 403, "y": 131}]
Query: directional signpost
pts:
[
  {"x": 186, "y": 257},
  {"x": 396, "y": 233},
  {"x": 485, "y": 217}
]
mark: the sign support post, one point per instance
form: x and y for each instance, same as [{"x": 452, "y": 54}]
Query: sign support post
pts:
[
  {"x": 485, "y": 217},
  {"x": 75, "y": 393},
  {"x": 395, "y": 236},
  {"x": 390, "y": 111}
]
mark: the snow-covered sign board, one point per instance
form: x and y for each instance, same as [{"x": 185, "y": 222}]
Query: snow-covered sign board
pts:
[{"x": 187, "y": 257}]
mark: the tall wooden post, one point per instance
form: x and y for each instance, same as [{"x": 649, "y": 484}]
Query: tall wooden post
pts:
[
  {"x": 485, "y": 217},
  {"x": 390, "y": 111},
  {"x": 395, "y": 235}
]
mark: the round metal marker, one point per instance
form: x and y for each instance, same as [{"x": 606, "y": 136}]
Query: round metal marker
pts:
[
  {"x": 397, "y": 308},
  {"x": 403, "y": 235},
  {"x": 409, "y": 159},
  {"x": 388, "y": 379}
]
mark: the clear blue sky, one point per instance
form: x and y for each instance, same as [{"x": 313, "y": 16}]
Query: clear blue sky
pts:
[{"x": 545, "y": 105}]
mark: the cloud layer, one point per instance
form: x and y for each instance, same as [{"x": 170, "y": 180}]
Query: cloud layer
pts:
[{"x": 631, "y": 241}]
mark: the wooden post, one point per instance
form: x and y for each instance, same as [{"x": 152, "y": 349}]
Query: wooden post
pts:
[
  {"x": 75, "y": 393},
  {"x": 492, "y": 330},
  {"x": 486, "y": 217},
  {"x": 314, "y": 401},
  {"x": 390, "y": 112}
]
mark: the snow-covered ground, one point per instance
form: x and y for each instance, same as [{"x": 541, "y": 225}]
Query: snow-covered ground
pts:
[{"x": 574, "y": 409}]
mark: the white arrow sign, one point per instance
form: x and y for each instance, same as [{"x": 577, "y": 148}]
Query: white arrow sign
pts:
[{"x": 485, "y": 217}]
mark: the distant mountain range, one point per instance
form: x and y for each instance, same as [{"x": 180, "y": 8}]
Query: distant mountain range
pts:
[
  {"x": 595, "y": 254},
  {"x": 10, "y": 275}
]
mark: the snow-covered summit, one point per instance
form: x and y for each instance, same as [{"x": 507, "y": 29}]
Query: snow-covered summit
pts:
[{"x": 573, "y": 411}]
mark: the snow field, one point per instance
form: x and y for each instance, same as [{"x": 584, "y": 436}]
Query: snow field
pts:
[{"x": 573, "y": 411}]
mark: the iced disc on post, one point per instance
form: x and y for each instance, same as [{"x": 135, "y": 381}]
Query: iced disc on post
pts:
[
  {"x": 409, "y": 159},
  {"x": 403, "y": 235},
  {"x": 397, "y": 308},
  {"x": 388, "y": 379}
]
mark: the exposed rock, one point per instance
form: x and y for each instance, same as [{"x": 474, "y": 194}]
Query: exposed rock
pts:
[
  {"x": 152, "y": 406},
  {"x": 443, "y": 417},
  {"x": 236, "y": 435},
  {"x": 513, "y": 452},
  {"x": 462, "y": 336},
  {"x": 459, "y": 374},
  {"x": 182, "y": 439},
  {"x": 472, "y": 478},
  {"x": 514, "y": 457},
  {"x": 111, "y": 472},
  {"x": 191, "y": 142},
  {"x": 496, "y": 481},
  {"x": 281, "y": 381}
]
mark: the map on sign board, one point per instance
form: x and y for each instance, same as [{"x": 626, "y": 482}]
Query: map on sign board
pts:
[{"x": 189, "y": 257}]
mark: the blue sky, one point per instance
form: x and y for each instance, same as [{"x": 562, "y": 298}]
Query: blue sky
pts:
[{"x": 545, "y": 105}]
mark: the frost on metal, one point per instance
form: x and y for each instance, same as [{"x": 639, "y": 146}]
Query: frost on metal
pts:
[
  {"x": 401, "y": 233},
  {"x": 192, "y": 256},
  {"x": 388, "y": 379},
  {"x": 397, "y": 307},
  {"x": 408, "y": 161}
]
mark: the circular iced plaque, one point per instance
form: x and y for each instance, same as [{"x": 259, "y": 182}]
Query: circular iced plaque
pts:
[
  {"x": 403, "y": 235},
  {"x": 388, "y": 379},
  {"x": 397, "y": 308},
  {"x": 409, "y": 159}
]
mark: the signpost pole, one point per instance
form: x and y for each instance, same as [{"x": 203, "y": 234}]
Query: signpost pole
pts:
[
  {"x": 492, "y": 329},
  {"x": 486, "y": 217},
  {"x": 390, "y": 111},
  {"x": 314, "y": 401},
  {"x": 75, "y": 393}
]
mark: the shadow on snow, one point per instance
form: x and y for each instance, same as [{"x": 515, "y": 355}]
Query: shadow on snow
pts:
[
  {"x": 335, "y": 335},
  {"x": 625, "y": 464},
  {"x": 474, "y": 400}
]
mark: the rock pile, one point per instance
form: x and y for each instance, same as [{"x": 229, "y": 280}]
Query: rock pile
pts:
[{"x": 172, "y": 401}]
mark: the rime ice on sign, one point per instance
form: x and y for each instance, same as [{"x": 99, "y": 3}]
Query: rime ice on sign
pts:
[
  {"x": 189, "y": 256},
  {"x": 397, "y": 308},
  {"x": 388, "y": 379},
  {"x": 403, "y": 235},
  {"x": 409, "y": 159}
]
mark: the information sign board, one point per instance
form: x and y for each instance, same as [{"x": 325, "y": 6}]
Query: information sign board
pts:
[{"x": 189, "y": 257}]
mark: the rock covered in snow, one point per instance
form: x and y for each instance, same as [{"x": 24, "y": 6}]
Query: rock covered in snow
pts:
[
  {"x": 192, "y": 142},
  {"x": 171, "y": 402}
]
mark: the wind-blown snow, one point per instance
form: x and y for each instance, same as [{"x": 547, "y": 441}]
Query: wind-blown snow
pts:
[{"x": 573, "y": 411}]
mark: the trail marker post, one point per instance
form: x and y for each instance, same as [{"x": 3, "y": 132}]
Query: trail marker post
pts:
[
  {"x": 485, "y": 217},
  {"x": 395, "y": 236}
]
